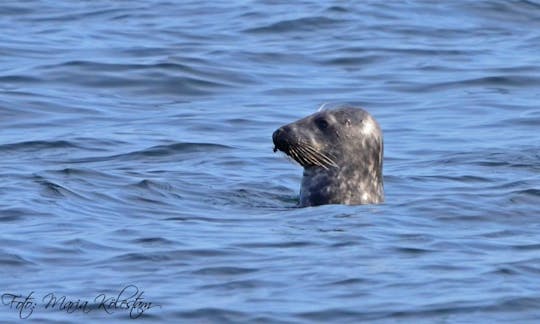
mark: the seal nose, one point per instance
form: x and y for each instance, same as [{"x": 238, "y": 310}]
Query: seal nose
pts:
[{"x": 278, "y": 137}]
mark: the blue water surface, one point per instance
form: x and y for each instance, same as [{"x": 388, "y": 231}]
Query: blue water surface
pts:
[{"x": 138, "y": 180}]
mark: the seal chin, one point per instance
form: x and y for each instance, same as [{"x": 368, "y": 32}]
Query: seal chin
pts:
[{"x": 341, "y": 150}]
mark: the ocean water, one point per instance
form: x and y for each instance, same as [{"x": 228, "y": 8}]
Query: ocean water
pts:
[{"x": 138, "y": 181}]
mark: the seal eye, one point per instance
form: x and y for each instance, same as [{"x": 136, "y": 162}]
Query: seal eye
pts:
[{"x": 321, "y": 123}]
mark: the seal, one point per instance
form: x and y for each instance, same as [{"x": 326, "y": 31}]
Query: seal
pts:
[{"x": 341, "y": 150}]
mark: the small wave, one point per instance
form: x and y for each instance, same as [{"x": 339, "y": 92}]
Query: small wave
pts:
[
  {"x": 529, "y": 192},
  {"x": 163, "y": 256},
  {"x": 218, "y": 315},
  {"x": 273, "y": 245},
  {"x": 16, "y": 214},
  {"x": 526, "y": 196},
  {"x": 348, "y": 282},
  {"x": 23, "y": 79},
  {"x": 153, "y": 192},
  {"x": 525, "y": 158},
  {"x": 13, "y": 260},
  {"x": 192, "y": 78},
  {"x": 75, "y": 14},
  {"x": 296, "y": 25},
  {"x": 150, "y": 184},
  {"x": 173, "y": 149},
  {"x": 354, "y": 61},
  {"x": 153, "y": 241},
  {"x": 217, "y": 271},
  {"x": 497, "y": 83},
  {"x": 412, "y": 250},
  {"x": 115, "y": 67},
  {"x": 179, "y": 148},
  {"x": 37, "y": 145},
  {"x": 85, "y": 244},
  {"x": 528, "y": 247},
  {"x": 237, "y": 284},
  {"x": 80, "y": 172},
  {"x": 158, "y": 151},
  {"x": 55, "y": 190}
]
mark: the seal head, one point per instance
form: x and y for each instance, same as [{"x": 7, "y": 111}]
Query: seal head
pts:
[{"x": 341, "y": 150}]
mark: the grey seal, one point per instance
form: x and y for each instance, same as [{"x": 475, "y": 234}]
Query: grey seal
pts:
[{"x": 341, "y": 150}]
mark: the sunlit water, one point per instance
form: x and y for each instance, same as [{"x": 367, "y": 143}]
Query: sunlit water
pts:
[{"x": 136, "y": 152}]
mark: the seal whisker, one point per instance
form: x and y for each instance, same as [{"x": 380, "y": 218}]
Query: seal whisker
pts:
[
  {"x": 310, "y": 157},
  {"x": 292, "y": 153},
  {"x": 308, "y": 151},
  {"x": 297, "y": 157},
  {"x": 319, "y": 155},
  {"x": 322, "y": 160}
]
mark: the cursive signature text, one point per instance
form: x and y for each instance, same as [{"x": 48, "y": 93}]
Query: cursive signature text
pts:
[{"x": 129, "y": 299}]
